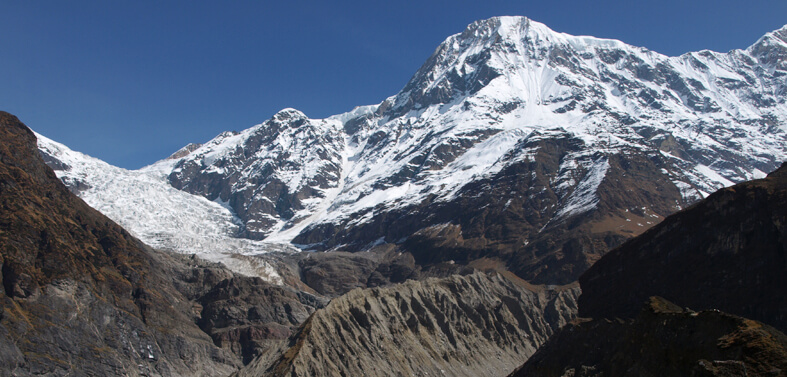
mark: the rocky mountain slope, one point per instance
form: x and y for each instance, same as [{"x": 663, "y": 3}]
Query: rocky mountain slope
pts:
[
  {"x": 663, "y": 340},
  {"x": 81, "y": 295},
  {"x": 728, "y": 252},
  {"x": 515, "y": 142},
  {"x": 470, "y": 325}
]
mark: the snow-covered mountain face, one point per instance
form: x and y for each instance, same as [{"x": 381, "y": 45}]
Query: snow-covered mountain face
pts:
[
  {"x": 512, "y": 142},
  {"x": 272, "y": 174}
]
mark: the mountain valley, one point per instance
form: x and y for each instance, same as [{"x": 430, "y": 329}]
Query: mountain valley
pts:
[{"x": 529, "y": 197}]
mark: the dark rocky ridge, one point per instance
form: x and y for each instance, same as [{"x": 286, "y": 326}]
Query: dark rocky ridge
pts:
[
  {"x": 248, "y": 316},
  {"x": 663, "y": 340},
  {"x": 728, "y": 252},
  {"x": 334, "y": 273},
  {"x": 479, "y": 324},
  {"x": 80, "y": 295},
  {"x": 80, "y": 292}
]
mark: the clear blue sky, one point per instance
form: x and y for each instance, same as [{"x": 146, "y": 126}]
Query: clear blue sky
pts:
[{"x": 132, "y": 81}]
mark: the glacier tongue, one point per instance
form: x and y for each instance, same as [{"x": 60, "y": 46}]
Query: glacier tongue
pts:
[{"x": 158, "y": 214}]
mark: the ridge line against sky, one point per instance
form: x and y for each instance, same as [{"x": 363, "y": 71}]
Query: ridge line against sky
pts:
[{"x": 132, "y": 82}]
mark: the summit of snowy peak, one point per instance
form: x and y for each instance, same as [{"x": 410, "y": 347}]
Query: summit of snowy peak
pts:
[
  {"x": 458, "y": 65},
  {"x": 286, "y": 118},
  {"x": 507, "y": 31},
  {"x": 504, "y": 27},
  {"x": 780, "y": 34},
  {"x": 511, "y": 49},
  {"x": 183, "y": 152},
  {"x": 289, "y": 114},
  {"x": 491, "y": 27},
  {"x": 771, "y": 49}
]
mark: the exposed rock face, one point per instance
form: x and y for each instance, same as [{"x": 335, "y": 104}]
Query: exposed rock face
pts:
[
  {"x": 336, "y": 273},
  {"x": 470, "y": 325},
  {"x": 663, "y": 340},
  {"x": 728, "y": 252},
  {"x": 183, "y": 152},
  {"x": 80, "y": 295},
  {"x": 248, "y": 315}
]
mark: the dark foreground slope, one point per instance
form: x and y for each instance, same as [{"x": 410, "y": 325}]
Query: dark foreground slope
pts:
[
  {"x": 725, "y": 254},
  {"x": 474, "y": 325},
  {"x": 728, "y": 252},
  {"x": 663, "y": 340},
  {"x": 80, "y": 295}
]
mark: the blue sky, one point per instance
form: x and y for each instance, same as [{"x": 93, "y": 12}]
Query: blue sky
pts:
[{"x": 132, "y": 81}]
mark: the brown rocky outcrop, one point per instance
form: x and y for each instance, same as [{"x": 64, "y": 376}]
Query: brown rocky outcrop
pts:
[
  {"x": 247, "y": 315},
  {"x": 479, "y": 324}
]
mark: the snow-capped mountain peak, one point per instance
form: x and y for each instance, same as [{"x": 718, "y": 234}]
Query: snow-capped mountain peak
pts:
[
  {"x": 501, "y": 46},
  {"x": 269, "y": 173},
  {"x": 771, "y": 50},
  {"x": 509, "y": 132},
  {"x": 291, "y": 115},
  {"x": 483, "y": 92}
]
